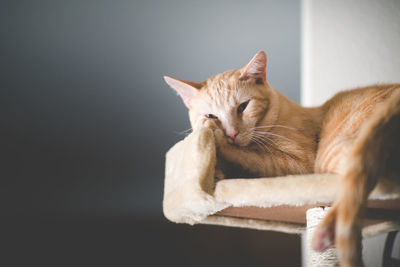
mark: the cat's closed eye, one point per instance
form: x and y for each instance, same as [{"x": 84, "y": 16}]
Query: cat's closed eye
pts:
[
  {"x": 211, "y": 116},
  {"x": 242, "y": 107}
]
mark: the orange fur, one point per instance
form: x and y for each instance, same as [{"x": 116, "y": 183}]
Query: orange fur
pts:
[
  {"x": 260, "y": 132},
  {"x": 372, "y": 157}
]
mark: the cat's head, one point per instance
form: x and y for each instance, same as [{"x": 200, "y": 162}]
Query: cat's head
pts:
[{"x": 237, "y": 101}]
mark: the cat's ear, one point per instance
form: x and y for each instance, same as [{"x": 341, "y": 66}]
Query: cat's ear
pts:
[
  {"x": 187, "y": 90},
  {"x": 256, "y": 68}
]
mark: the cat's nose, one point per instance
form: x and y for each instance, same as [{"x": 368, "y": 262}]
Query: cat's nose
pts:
[{"x": 232, "y": 134}]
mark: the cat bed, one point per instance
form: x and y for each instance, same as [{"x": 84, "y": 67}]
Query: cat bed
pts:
[{"x": 192, "y": 195}]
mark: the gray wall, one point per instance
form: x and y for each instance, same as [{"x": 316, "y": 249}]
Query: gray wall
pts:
[{"x": 85, "y": 116}]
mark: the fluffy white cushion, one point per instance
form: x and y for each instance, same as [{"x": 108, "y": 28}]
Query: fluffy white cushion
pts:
[{"x": 192, "y": 195}]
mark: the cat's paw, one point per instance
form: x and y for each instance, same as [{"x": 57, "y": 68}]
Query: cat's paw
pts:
[
  {"x": 324, "y": 235},
  {"x": 220, "y": 138},
  {"x": 206, "y": 123}
]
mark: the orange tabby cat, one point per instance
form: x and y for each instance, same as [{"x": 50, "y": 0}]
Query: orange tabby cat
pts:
[{"x": 355, "y": 134}]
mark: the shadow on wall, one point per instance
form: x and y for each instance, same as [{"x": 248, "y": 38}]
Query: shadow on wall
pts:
[
  {"x": 86, "y": 115},
  {"x": 86, "y": 120}
]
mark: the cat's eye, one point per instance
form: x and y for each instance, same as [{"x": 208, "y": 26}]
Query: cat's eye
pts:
[
  {"x": 211, "y": 116},
  {"x": 242, "y": 107}
]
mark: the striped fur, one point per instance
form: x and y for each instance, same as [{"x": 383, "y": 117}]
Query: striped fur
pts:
[
  {"x": 354, "y": 134},
  {"x": 371, "y": 157}
]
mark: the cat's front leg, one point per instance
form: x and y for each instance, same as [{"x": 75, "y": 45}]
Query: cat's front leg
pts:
[
  {"x": 256, "y": 164},
  {"x": 220, "y": 140},
  {"x": 233, "y": 153},
  {"x": 211, "y": 124}
]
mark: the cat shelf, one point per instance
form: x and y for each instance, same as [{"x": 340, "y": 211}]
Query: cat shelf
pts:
[{"x": 193, "y": 196}]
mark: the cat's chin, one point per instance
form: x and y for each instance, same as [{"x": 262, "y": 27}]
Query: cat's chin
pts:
[{"x": 238, "y": 144}]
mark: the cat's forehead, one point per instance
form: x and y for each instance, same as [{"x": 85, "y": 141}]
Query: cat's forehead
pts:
[
  {"x": 227, "y": 89},
  {"x": 223, "y": 87},
  {"x": 223, "y": 81}
]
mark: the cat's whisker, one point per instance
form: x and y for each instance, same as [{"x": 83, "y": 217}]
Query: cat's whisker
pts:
[
  {"x": 184, "y": 132},
  {"x": 265, "y": 137},
  {"x": 272, "y": 126},
  {"x": 265, "y": 134},
  {"x": 266, "y": 141},
  {"x": 276, "y": 147},
  {"x": 271, "y": 142},
  {"x": 276, "y": 135},
  {"x": 266, "y": 145},
  {"x": 261, "y": 144},
  {"x": 258, "y": 144}
]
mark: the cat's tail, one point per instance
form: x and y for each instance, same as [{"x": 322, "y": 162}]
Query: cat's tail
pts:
[{"x": 372, "y": 158}]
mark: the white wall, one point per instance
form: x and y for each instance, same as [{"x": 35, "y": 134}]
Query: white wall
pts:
[{"x": 346, "y": 44}]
